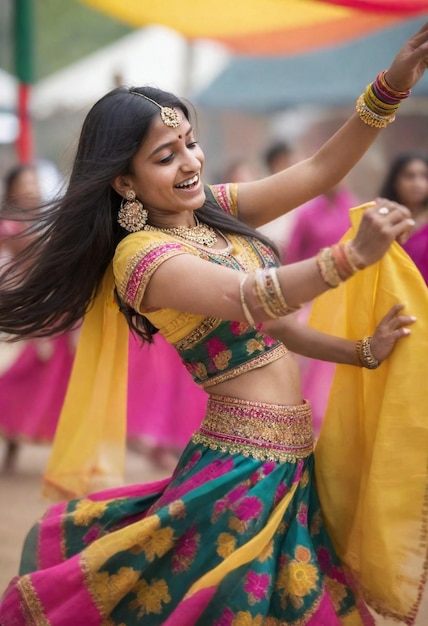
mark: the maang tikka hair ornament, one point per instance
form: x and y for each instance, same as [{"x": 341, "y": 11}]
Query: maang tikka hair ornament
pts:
[
  {"x": 132, "y": 216},
  {"x": 170, "y": 117}
]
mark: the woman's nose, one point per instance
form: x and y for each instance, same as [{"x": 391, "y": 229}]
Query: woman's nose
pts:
[{"x": 191, "y": 160}]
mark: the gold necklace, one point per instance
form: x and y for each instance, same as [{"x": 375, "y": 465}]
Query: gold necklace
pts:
[{"x": 201, "y": 233}]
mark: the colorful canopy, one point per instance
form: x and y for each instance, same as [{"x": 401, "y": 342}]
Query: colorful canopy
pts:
[
  {"x": 331, "y": 76},
  {"x": 265, "y": 26}
]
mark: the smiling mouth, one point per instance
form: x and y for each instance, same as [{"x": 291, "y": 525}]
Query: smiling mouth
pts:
[{"x": 190, "y": 183}]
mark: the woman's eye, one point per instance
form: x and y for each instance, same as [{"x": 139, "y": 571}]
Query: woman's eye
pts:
[
  {"x": 167, "y": 159},
  {"x": 192, "y": 144}
]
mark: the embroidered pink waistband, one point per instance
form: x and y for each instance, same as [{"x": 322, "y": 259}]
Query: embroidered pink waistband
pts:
[{"x": 264, "y": 431}]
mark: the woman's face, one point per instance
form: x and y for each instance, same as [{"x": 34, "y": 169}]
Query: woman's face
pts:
[
  {"x": 167, "y": 174},
  {"x": 411, "y": 185},
  {"x": 24, "y": 193}
]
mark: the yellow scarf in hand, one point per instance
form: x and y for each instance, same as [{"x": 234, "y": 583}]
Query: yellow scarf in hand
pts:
[
  {"x": 89, "y": 446},
  {"x": 372, "y": 454}
]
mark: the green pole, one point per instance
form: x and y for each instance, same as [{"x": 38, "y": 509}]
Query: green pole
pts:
[{"x": 24, "y": 69}]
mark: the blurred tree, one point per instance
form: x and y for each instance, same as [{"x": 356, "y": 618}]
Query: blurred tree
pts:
[{"x": 64, "y": 32}]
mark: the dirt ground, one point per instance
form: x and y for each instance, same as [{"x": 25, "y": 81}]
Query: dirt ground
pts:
[{"x": 21, "y": 504}]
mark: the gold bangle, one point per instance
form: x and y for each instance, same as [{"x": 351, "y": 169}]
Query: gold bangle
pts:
[
  {"x": 268, "y": 291},
  {"x": 374, "y": 103},
  {"x": 245, "y": 308},
  {"x": 343, "y": 266},
  {"x": 263, "y": 296},
  {"x": 364, "y": 354},
  {"x": 327, "y": 268},
  {"x": 286, "y": 309},
  {"x": 402, "y": 95},
  {"x": 371, "y": 118}
]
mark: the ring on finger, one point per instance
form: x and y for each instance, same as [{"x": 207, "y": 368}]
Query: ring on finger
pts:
[{"x": 383, "y": 210}]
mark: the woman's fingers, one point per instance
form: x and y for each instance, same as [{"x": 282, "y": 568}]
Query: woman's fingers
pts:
[
  {"x": 390, "y": 220},
  {"x": 401, "y": 324},
  {"x": 410, "y": 63},
  {"x": 393, "y": 327},
  {"x": 382, "y": 223},
  {"x": 391, "y": 212},
  {"x": 420, "y": 37},
  {"x": 392, "y": 313},
  {"x": 395, "y": 324}
]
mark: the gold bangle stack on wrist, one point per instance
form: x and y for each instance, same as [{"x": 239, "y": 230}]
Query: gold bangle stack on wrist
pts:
[
  {"x": 337, "y": 263},
  {"x": 269, "y": 293},
  {"x": 364, "y": 354},
  {"x": 379, "y": 103},
  {"x": 267, "y": 290}
]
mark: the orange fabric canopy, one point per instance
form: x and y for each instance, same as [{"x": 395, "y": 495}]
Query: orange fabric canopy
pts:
[
  {"x": 401, "y": 6},
  {"x": 266, "y": 26}
]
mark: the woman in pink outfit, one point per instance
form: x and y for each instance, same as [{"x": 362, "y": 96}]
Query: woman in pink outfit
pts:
[
  {"x": 34, "y": 373},
  {"x": 318, "y": 224},
  {"x": 407, "y": 183},
  {"x": 160, "y": 392}
]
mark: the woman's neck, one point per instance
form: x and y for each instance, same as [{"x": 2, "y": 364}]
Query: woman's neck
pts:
[{"x": 419, "y": 213}]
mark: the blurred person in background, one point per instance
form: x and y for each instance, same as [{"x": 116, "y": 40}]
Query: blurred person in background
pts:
[
  {"x": 279, "y": 156},
  {"x": 160, "y": 392},
  {"x": 407, "y": 183},
  {"x": 239, "y": 171},
  {"x": 317, "y": 224},
  {"x": 34, "y": 373}
]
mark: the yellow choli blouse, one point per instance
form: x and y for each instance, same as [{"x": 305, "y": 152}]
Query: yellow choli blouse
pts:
[{"x": 213, "y": 350}]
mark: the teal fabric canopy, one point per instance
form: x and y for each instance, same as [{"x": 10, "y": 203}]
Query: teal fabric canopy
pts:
[{"x": 332, "y": 76}]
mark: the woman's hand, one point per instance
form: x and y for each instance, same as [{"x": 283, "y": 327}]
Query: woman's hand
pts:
[
  {"x": 410, "y": 63},
  {"x": 381, "y": 224},
  {"x": 391, "y": 328}
]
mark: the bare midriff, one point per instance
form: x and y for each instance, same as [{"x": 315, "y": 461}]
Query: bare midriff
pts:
[{"x": 277, "y": 382}]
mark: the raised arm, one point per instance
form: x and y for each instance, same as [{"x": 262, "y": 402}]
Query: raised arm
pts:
[{"x": 264, "y": 200}]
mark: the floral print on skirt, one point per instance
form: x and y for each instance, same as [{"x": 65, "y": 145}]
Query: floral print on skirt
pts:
[{"x": 229, "y": 540}]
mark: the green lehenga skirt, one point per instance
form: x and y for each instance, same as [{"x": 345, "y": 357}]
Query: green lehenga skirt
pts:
[{"x": 234, "y": 538}]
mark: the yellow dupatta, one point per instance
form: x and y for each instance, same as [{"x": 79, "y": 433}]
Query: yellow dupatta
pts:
[
  {"x": 372, "y": 454},
  {"x": 89, "y": 446}
]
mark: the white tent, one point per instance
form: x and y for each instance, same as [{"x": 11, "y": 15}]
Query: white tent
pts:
[
  {"x": 8, "y": 119},
  {"x": 153, "y": 55}
]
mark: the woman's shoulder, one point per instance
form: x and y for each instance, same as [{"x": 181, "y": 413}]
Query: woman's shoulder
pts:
[
  {"x": 137, "y": 256},
  {"x": 145, "y": 245},
  {"x": 225, "y": 195}
]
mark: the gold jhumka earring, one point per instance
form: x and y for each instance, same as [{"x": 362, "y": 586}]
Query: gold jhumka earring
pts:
[{"x": 132, "y": 216}]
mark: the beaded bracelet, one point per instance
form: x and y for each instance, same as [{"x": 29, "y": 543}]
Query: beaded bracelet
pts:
[{"x": 364, "y": 354}]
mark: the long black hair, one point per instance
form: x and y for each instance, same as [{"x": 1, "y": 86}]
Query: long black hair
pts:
[{"x": 50, "y": 286}]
